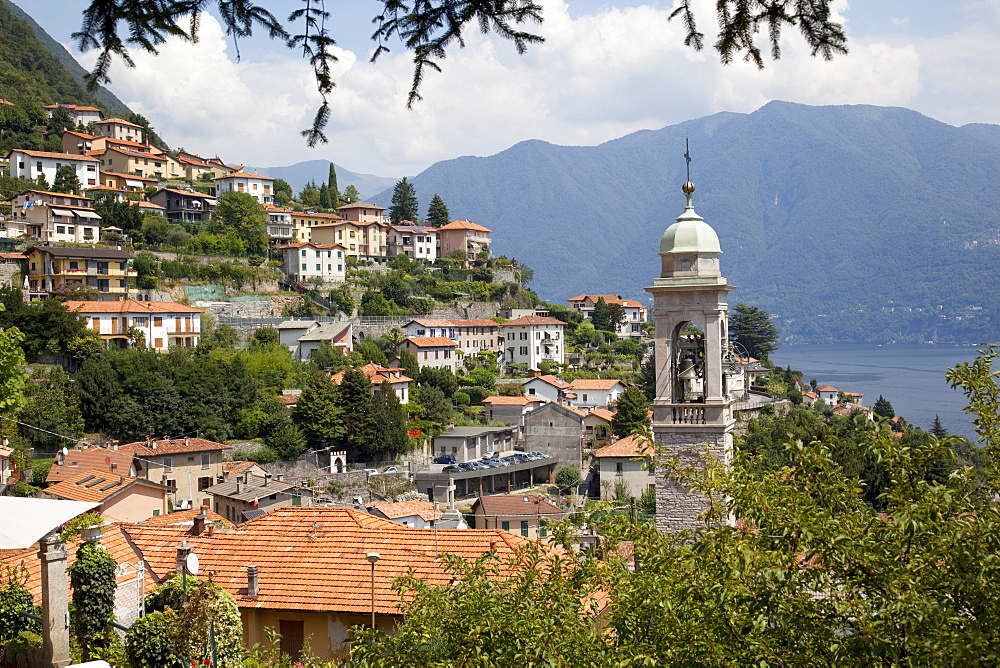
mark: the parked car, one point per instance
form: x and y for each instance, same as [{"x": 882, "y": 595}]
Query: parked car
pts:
[
  {"x": 466, "y": 466},
  {"x": 452, "y": 469},
  {"x": 371, "y": 471},
  {"x": 445, "y": 459},
  {"x": 540, "y": 455},
  {"x": 511, "y": 459},
  {"x": 391, "y": 469},
  {"x": 492, "y": 454}
]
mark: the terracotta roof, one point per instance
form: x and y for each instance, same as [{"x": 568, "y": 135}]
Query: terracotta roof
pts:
[
  {"x": 827, "y": 388},
  {"x": 14, "y": 256},
  {"x": 853, "y": 394},
  {"x": 80, "y": 134},
  {"x": 811, "y": 395},
  {"x": 288, "y": 399},
  {"x": 96, "y": 486},
  {"x": 129, "y": 306},
  {"x": 312, "y": 244},
  {"x": 236, "y": 468},
  {"x": 571, "y": 409},
  {"x": 432, "y": 322},
  {"x": 464, "y": 225},
  {"x": 313, "y": 558},
  {"x": 150, "y": 205},
  {"x": 119, "y": 121},
  {"x": 61, "y": 156},
  {"x": 506, "y": 505},
  {"x": 510, "y": 401},
  {"x": 595, "y": 383},
  {"x": 74, "y": 107},
  {"x": 555, "y": 381},
  {"x": 103, "y": 253},
  {"x": 186, "y": 518},
  {"x": 377, "y": 374},
  {"x": 243, "y": 175},
  {"x": 630, "y": 446},
  {"x": 608, "y": 299},
  {"x": 476, "y": 322},
  {"x": 91, "y": 459},
  {"x": 49, "y": 192},
  {"x": 534, "y": 320},
  {"x": 423, "y": 509},
  {"x": 360, "y": 205},
  {"x": 317, "y": 214},
  {"x": 602, "y": 413},
  {"x": 169, "y": 447},
  {"x": 432, "y": 342}
]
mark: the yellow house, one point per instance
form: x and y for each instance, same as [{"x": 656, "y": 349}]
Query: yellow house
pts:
[
  {"x": 304, "y": 221},
  {"x": 140, "y": 163},
  {"x": 103, "y": 269},
  {"x": 349, "y": 235}
]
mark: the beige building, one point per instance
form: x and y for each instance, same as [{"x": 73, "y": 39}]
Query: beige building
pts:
[
  {"x": 259, "y": 187},
  {"x": 162, "y": 324},
  {"x": 139, "y": 162},
  {"x": 122, "y": 499},
  {"x": 56, "y": 217},
  {"x": 103, "y": 269},
  {"x": 522, "y": 514},
  {"x": 627, "y": 462},
  {"x": 118, "y": 128},
  {"x": 364, "y": 212},
  {"x": 436, "y": 352},
  {"x": 188, "y": 466},
  {"x": 349, "y": 235},
  {"x": 374, "y": 240}
]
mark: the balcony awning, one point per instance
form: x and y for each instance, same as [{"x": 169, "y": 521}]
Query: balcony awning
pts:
[
  {"x": 62, "y": 212},
  {"x": 86, "y": 214}
]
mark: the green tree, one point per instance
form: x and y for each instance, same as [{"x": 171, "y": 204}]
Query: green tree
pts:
[
  {"x": 436, "y": 407},
  {"x": 245, "y": 217},
  {"x": 318, "y": 414},
  {"x": 568, "y": 478},
  {"x": 937, "y": 429},
  {"x": 437, "y": 212},
  {"x": 616, "y": 317},
  {"x": 328, "y": 357},
  {"x": 93, "y": 579},
  {"x": 374, "y": 304},
  {"x": 309, "y": 195},
  {"x": 288, "y": 443},
  {"x": 389, "y": 438},
  {"x": 632, "y": 415},
  {"x": 410, "y": 365},
  {"x": 883, "y": 408},
  {"x": 66, "y": 181},
  {"x": 264, "y": 337},
  {"x": 601, "y": 317},
  {"x": 371, "y": 352},
  {"x": 11, "y": 361},
  {"x": 51, "y": 406},
  {"x": 351, "y": 194},
  {"x": 331, "y": 184},
  {"x": 751, "y": 327},
  {"x": 342, "y": 300},
  {"x": 404, "y": 203},
  {"x": 282, "y": 192},
  {"x": 354, "y": 397}
]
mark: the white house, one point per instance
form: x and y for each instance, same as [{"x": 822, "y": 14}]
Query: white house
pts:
[
  {"x": 549, "y": 388},
  {"x": 307, "y": 260},
  {"x": 829, "y": 395},
  {"x": 118, "y": 128},
  {"x": 419, "y": 514},
  {"x": 596, "y": 392},
  {"x": 436, "y": 352},
  {"x": 417, "y": 243},
  {"x": 626, "y": 463},
  {"x": 337, "y": 334},
  {"x": 261, "y": 187},
  {"x": 635, "y": 312},
  {"x": 160, "y": 324},
  {"x": 393, "y": 375},
  {"x": 56, "y": 217},
  {"x": 27, "y": 164},
  {"x": 79, "y": 113},
  {"x": 533, "y": 339},
  {"x": 471, "y": 336},
  {"x": 279, "y": 225}
]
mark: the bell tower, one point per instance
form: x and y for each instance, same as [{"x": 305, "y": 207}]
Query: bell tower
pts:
[{"x": 692, "y": 412}]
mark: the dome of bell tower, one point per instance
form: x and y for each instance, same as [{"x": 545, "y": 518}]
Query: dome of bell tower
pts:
[{"x": 690, "y": 234}]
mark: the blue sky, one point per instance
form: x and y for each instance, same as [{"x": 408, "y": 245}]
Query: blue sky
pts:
[{"x": 606, "y": 69}]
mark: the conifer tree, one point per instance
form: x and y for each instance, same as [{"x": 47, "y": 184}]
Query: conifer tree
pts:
[
  {"x": 883, "y": 408},
  {"x": 937, "y": 428},
  {"x": 318, "y": 414},
  {"x": 633, "y": 413},
  {"x": 355, "y": 400},
  {"x": 404, "y": 203},
  {"x": 66, "y": 181},
  {"x": 389, "y": 439},
  {"x": 437, "y": 212},
  {"x": 351, "y": 194},
  {"x": 331, "y": 183},
  {"x": 601, "y": 317}
]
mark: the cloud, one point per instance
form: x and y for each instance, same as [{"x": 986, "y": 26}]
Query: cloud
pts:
[{"x": 598, "y": 76}]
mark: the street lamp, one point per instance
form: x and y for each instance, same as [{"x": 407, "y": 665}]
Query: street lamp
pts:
[{"x": 373, "y": 557}]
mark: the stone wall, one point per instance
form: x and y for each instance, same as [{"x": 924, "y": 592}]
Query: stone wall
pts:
[{"x": 677, "y": 507}]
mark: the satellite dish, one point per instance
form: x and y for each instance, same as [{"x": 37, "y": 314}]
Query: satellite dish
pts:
[
  {"x": 192, "y": 563},
  {"x": 65, "y": 451}
]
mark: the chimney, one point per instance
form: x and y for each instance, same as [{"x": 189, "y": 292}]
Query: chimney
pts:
[
  {"x": 237, "y": 485},
  {"x": 183, "y": 550},
  {"x": 199, "y": 523},
  {"x": 186, "y": 440},
  {"x": 253, "y": 581},
  {"x": 278, "y": 477}
]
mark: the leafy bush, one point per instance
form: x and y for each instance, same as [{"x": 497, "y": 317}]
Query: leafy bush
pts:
[
  {"x": 568, "y": 477},
  {"x": 94, "y": 585}
]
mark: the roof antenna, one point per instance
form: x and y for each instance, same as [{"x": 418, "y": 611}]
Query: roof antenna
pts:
[{"x": 687, "y": 157}]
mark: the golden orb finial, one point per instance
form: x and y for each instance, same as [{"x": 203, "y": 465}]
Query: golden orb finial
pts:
[{"x": 688, "y": 187}]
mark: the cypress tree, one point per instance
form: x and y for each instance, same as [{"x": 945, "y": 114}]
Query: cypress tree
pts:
[
  {"x": 331, "y": 183},
  {"x": 355, "y": 400},
  {"x": 389, "y": 428}
]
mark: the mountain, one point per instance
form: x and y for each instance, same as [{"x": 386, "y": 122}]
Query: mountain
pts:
[
  {"x": 301, "y": 173},
  {"x": 35, "y": 67},
  {"x": 849, "y": 223}
]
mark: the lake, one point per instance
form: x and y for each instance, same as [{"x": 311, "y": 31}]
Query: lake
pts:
[{"x": 911, "y": 377}]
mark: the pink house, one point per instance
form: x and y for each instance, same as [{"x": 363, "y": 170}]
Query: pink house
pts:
[
  {"x": 465, "y": 236},
  {"x": 122, "y": 498}
]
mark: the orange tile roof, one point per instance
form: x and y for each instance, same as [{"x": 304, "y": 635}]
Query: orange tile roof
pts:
[
  {"x": 811, "y": 395},
  {"x": 595, "y": 383},
  {"x": 432, "y": 342},
  {"x": 119, "y": 121},
  {"x": 243, "y": 175},
  {"x": 853, "y": 394},
  {"x": 534, "y": 320},
  {"x": 318, "y": 214},
  {"x": 507, "y": 505},
  {"x": 186, "y": 518},
  {"x": 129, "y": 306},
  {"x": 80, "y": 134},
  {"x": 49, "y": 192},
  {"x": 827, "y": 388},
  {"x": 91, "y": 459},
  {"x": 571, "y": 409},
  {"x": 236, "y": 468},
  {"x": 360, "y": 205},
  {"x": 477, "y": 322},
  {"x": 464, "y": 225},
  {"x": 510, "y": 401},
  {"x": 630, "y": 446},
  {"x": 150, "y": 205},
  {"x": 551, "y": 380},
  {"x": 377, "y": 374},
  {"x": 288, "y": 399},
  {"x": 312, "y": 244},
  {"x": 423, "y": 509},
  {"x": 313, "y": 558},
  {"x": 593, "y": 298},
  {"x": 432, "y": 322},
  {"x": 602, "y": 413},
  {"x": 173, "y": 446},
  {"x": 96, "y": 486},
  {"x": 61, "y": 156}
]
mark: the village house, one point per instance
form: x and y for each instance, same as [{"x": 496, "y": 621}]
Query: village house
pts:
[
  {"x": 103, "y": 269},
  {"x": 121, "y": 498},
  {"x": 635, "y": 312},
  {"x": 399, "y": 383},
  {"x": 471, "y": 336},
  {"x": 626, "y": 464},
  {"x": 549, "y": 388},
  {"x": 416, "y": 243},
  {"x": 230, "y": 470},
  {"x": 596, "y": 392},
  {"x": 245, "y": 496},
  {"x": 337, "y": 334},
  {"x": 26, "y": 164},
  {"x": 556, "y": 430},
  {"x": 56, "y": 217},
  {"x": 304, "y": 221},
  {"x": 436, "y": 352},
  {"x": 279, "y": 225},
  {"x": 418, "y": 514},
  {"x": 525, "y": 514},
  {"x": 348, "y": 234},
  {"x": 374, "y": 241},
  {"x": 531, "y": 340},
  {"x": 509, "y": 410},
  {"x": 118, "y": 128},
  {"x": 128, "y": 160},
  {"x": 5, "y": 467},
  {"x": 597, "y": 425},
  {"x": 188, "y": 466},
  {"x": 106, "y": 460},
  {"x": 126, "y": 182},
  {"x": 81, "y": 143},
  {"x": 195, "y": 169},
  {"x": 465, "y": 236},
  {"x": 260, "y": 187},
  {"x": 184, "y": 206},
  {"x": 829, "y": 394},
  {"x": 306, "y": 261},
  {"x": 79, "y": 113},
  {"x": 160, "y": 325},
  {"x": 363, "y": 212}
]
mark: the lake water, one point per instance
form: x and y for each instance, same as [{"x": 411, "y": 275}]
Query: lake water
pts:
[{"x": 911, "y": 377}]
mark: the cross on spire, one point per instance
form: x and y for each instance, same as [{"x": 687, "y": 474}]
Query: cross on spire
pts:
[{"x": 687, "y": 157}]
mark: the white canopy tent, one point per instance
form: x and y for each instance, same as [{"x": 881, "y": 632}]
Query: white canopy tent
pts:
[{"x": 24, "y": 520}]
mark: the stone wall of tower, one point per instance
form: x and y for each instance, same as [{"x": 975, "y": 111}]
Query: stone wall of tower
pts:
[{"x": 677, "y": 507}]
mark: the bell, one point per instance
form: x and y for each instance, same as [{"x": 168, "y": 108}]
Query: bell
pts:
[{"x": 688, "y": 371}]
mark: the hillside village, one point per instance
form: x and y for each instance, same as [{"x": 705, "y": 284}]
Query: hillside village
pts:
[{"x": 217, "y": 368}]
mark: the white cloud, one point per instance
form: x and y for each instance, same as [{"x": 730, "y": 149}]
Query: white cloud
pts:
[{"x": 597, "y": 77}]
